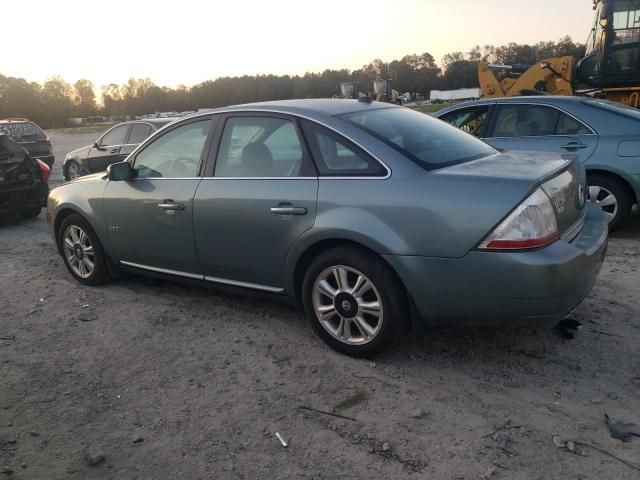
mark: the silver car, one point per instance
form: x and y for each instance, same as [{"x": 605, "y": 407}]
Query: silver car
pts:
[{"x": 376, "y": 218}]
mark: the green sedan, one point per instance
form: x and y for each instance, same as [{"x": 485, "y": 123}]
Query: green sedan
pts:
[{"x": 375, "y": 218}]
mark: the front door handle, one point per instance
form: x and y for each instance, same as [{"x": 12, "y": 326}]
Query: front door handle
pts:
[
  {"x": 289, "y": 210},
  {"x": 115, "y": 150},
  {"x": 574, "y": 146},
  {"x": 171, "y": 205}
]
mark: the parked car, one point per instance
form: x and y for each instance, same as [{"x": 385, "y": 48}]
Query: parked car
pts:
[
  {"x": 31, "y": 137},
  {"x": 373, "y": 216},
  {"x": 23, "y": 180},
  {"x": 604, "y": 136},
  {"x": 112, "y": 147}
]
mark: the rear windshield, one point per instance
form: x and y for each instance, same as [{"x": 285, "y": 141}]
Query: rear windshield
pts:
[
  {"x": 427, "y": 141},
  {"x": 22, "y": 131}
]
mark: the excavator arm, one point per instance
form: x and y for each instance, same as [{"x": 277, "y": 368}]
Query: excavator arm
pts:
[{"x": 552, "y": 77}]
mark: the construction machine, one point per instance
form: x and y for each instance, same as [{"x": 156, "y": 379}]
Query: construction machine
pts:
[
  {"x": 381, "y": 91},
  {"x": 609, "y": 70}
]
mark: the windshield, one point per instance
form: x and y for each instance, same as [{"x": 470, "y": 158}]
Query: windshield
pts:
[{"x": 427, "y": 141}]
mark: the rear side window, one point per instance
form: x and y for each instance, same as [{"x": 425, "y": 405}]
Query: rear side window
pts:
[
  {"x": 570, "y": 126},
  {"x": 525, "y": 121},
  {"x": 23, "y": 131},
  {"x": 336, "y": 156},
  {"x": 139, "y": 132},
  {"x": 427, "y": 141}
]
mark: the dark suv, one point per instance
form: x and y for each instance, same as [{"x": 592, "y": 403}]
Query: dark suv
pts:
[
  {"x": 112, "y": 147},
  {"x": 30, "y": 136},
  {"x": 23, "y": 180}
]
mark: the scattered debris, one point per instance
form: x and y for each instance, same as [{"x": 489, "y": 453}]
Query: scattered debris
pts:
[
  {"x": 138, "y": 439},
  {"x": 7, "y": 470},
  {"x": 7, "y": 337},
  {"x": 94, "y": 455},
  {"x": 506, "y": 426},
  {"x": 86, "y": 305},
  {"x": 569, "y": 446},
  {"x": 34, "y": 433},
  {"x": 417, "y": 413},
  {"x": 284, "y": 441},
  {"x": 489, "y": 473},
  {"x": 567, "y": 328},
  {"x": 622, "y": 431},
  {"x": 309, "y": 409},
  {"x": 87, "y": 317},
  {"x": 352, "y": 400},
  {"x": 386, "y": 447},
  {"x": 503, "y": 441}
]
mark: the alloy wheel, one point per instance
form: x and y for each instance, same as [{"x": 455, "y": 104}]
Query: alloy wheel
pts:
[
  {"x": 347, "y": 305},
  {"x": 78, "y": 251},
  {"x": 605, "y": 199}
]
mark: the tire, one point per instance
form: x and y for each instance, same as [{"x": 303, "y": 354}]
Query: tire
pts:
[
  {"x": 31, "y": 212},
  {"x": 603, "y": 188},
  {"x": 71, "y": 168},
  {"x": 381, "y": 327},
  {"x": 74, "y": 260}
]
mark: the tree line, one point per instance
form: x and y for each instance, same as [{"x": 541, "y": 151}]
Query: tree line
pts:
[{"x": 54, "y": 102}]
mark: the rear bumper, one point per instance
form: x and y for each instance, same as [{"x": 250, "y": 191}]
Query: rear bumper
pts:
[{"x": 536, "y": 288}]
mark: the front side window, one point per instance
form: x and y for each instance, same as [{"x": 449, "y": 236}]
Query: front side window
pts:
[
  {"x": 259, "y": 147},
  {"x": 470, "y": 120},
  {"x": 115, "y": 136},
  {"x": 427, "y": 141},
  {"x": 336, "y": 156},
  {"x": 176, "y": 154},
  {"x": 525, "y": 121},
  {"x": 138, "y": 133}
]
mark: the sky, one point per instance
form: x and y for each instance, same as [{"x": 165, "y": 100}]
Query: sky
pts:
[{"x": 189, "y": 41}]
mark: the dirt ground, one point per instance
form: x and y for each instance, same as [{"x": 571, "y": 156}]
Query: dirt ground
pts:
[{"x": 170, "y": 381}]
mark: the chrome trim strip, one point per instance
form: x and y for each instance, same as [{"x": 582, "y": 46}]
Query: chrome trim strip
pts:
[
  {"x": 236, "y": 283},
  {"x": 163, "y": 270}
]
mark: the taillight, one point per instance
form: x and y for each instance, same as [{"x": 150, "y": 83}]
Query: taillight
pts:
[
  {"x": 45, "y": 171},
  {"x": 532, "y": 225}
]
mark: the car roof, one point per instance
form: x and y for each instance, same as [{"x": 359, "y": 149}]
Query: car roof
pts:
[
  {"x": 537, "y": 99},
  {"x": 310, "y": 107}
]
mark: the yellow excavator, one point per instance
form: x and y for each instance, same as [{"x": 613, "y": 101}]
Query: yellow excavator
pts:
[{"x": 609, "y": 70}]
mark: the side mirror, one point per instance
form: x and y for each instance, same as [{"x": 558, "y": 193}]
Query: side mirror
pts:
[
  {"x": 120, "y": 171},
  {"x": 95, "y": 145}
]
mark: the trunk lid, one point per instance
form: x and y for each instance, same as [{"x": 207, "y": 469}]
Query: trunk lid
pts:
[{"x": 562, "y": 179}]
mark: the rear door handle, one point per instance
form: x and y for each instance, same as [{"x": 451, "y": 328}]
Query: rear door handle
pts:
[
  {"x": 171, "y": 205},
  {"x": 573, "y": 146},
  {"x": 115, "y": 150},
  {"x": 289, "y": 210}
]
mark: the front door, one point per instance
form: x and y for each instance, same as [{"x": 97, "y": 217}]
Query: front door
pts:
[
  {"x": 150, "y": 218},
  {"x": 540, "y": 128},
  {"x": 255, "y": 202},
  {"x": 108, "y": 149}
]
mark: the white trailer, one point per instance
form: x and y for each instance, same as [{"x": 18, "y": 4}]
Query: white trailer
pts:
[{"x": 455, "y": 95}]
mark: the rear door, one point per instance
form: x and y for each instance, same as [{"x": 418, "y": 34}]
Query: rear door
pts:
[
  {"x": 16, "y": 171},
  {"x": 138, "y": 133},
  {"x": 540, "y": 128},
  {"x": 108, "y": 149},
  {"x": 473, "y": 120},
  {"x": 257, "y": 198}
]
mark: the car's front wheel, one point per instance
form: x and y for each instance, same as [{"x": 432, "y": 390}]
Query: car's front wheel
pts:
[
  {"x": 82, "y": 252},
  {"x": 355, "y": 301},
  {"x": 72, "y": 170},
  {"x": 612, "y": 198}
]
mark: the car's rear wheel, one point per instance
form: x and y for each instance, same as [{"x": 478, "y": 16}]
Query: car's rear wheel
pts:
[
  {"x": 355, "y": 301},
  {"x": 612, "y": 198},
  {"x": 72, "y": 170},
  {"x": 82, "y": 252}
]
